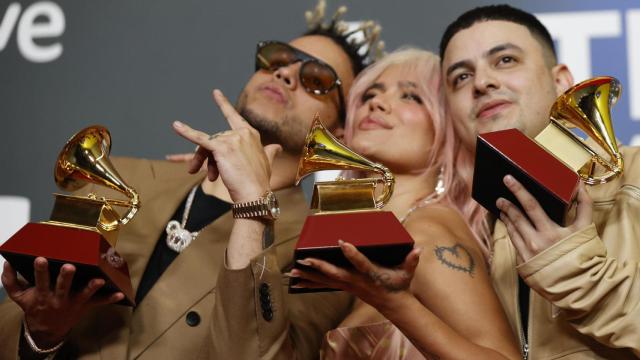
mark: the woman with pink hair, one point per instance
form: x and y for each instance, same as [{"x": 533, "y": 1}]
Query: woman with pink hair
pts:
[{"x": 442, "y": 306}]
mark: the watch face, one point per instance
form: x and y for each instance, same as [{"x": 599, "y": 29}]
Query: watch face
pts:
[{"x": 272, "y": 203}]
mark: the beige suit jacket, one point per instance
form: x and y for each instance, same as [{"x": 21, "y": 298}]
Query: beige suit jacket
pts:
[
  {"x": 157, "y": 328},
  {"x": 585, "y": 302}
]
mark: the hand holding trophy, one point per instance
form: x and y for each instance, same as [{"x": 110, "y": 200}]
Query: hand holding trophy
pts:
[
  {"x": 81, "y": 230},
  {"x": 551, "y": 166},
  {"x": 347, "y": 210}
]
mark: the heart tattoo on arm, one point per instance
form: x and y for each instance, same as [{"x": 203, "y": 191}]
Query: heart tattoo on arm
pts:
[{"x": 456, "y": 257}]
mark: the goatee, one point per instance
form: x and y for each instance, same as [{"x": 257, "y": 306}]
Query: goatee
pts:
[{"x": 273, "y": 132}]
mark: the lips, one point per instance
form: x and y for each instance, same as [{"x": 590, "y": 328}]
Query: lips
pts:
[
  {"x": 370, "y": 123},
  {"x": 275, "y": 93},
  {"x": 492, "y": 108}
]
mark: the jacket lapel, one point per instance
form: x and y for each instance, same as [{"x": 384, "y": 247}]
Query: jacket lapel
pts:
[
  {"x": 194, "y": 272},
  {"x": 160, "y": 198},
  {"x": 190, "y": 277}
]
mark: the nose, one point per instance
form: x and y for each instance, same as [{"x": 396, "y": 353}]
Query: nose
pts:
[
  {"x": 379, "y": 103},
  {"x": 288, "y": 75},
  {"x": 485, "y": 81}
]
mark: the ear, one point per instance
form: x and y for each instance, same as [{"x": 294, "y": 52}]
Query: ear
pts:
[{"x": 562, "y": 78}]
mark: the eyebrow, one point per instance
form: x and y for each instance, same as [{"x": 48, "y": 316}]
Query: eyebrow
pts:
[
  {"x": 375, "y": 86},
  {"x": 406, "y": 84},
  {"x": 494, "y": 50}
]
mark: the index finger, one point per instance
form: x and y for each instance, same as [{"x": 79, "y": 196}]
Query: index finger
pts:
[
  {"x": 10, "y": 281},
  {"x": 530, "y": 205},
  {"x": 355, "y": 257},
  {"x": 233, "y": 118}
]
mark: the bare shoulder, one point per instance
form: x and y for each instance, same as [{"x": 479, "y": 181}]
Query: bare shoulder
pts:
[
  {"x": 437, "y": 223},
  {"x": 446, "y": 239}
]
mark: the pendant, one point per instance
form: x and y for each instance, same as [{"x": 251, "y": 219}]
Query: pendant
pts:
[{"x": 178, "y": 238}]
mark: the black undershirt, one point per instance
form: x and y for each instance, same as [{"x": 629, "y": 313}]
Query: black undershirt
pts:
[
  {"x": 204, "y": 210},
  {"x": 523, "y": 300}
]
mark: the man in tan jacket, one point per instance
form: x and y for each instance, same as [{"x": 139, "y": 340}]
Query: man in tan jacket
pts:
[
  {"x": 501, "y": 72},
  {"x": 176, "y": 286}
]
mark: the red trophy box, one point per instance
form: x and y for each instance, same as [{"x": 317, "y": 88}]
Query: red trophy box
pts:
[
  {"x": 82, "y": 230},
  {"x": 548, "y": 179},
  {"x": 377, "y": 234},
  {"x": 87, "y": 250}
]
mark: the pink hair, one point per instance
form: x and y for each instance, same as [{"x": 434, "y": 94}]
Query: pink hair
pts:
[{"x": 447, "y": 153}]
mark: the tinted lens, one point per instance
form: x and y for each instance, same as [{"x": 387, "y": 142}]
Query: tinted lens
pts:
[
  {"x": 317, "y": 77},
  {"x": 274, "y": 55}
]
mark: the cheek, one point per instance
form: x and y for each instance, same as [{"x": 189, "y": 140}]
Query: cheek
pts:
[
  {"x": 308, "y": 106},
  {"x": 415, "y": 121},
  {"x": 459, "y": 105}
]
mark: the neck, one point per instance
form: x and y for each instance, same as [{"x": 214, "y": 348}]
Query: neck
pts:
[
  {"x": 410, "y": 188},
  {"x": 283, "y": 175}
]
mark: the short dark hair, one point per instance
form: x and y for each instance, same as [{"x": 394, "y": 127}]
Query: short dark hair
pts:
[
  {"x": 499, "y": 13},
  {"x": 358, "y": 61}
]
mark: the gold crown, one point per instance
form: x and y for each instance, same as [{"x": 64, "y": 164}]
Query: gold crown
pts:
[{"x": 364, "y": 38}]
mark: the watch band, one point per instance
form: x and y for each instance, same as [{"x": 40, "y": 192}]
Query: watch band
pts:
[{"x": 265, "y": 207}]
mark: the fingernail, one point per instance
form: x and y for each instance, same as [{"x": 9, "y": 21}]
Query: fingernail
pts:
[
  {"x": 178, "y": 124},
  {"x": 499, "y": 202},
  {"x": 293, "y": 273},
  {"x": 508, "y": 180},
  {"x": 304, "y": 262},
  {"x": 419, "y": 250},
  {"x": 297, "y": 287},
  {"x": 340, "y": 242}
]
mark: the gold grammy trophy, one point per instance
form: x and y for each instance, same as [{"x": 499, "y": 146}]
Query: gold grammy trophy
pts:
[
  {"x": 347, "y": 210},
  {"x": 82, "y": 230},
  {"x": 551, "y": 165}
]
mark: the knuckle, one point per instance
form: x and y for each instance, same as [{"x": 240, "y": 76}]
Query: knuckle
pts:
[
  {"x": 529, "y": 204},
  {"x": 515, "y": 215},
  {"x": 534, "y": 247},
  {"x": 341, "y": 276}
]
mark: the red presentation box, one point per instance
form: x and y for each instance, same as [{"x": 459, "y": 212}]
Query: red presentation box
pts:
[
  {"x": 91, "y": 254},
  {"x": 377, "y": 234},
  {"x": 548, "y": 179}
]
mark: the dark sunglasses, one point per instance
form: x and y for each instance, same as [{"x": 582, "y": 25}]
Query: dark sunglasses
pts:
[{"x": 316, "y": 76}]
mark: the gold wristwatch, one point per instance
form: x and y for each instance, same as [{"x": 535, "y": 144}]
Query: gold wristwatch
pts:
[{"x": 265, "y": 207}]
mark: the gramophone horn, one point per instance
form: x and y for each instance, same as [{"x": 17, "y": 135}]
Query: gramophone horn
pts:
[
  {"x": 85, "y": 159},
  {"x": 322, "y": 151},
  {"x": 587, "y": 105}
]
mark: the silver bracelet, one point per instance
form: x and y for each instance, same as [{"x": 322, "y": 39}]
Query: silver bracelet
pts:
[{"x": 32, "y": 344}]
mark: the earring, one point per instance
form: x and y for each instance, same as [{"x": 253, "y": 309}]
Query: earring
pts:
[{"x": 440, "y": 184}]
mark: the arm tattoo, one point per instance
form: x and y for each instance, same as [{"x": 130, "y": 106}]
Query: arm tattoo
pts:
[{"x": 456, "y": 257}]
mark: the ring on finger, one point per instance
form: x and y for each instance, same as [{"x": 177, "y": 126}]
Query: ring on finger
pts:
[{"x": 213, "y": 136}]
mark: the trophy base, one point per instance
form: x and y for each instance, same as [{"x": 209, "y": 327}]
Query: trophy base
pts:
[
  {"x": 548, "y": 179},
  {"x": 87, "y": 250},
  {"x": 377, "y": 234}
]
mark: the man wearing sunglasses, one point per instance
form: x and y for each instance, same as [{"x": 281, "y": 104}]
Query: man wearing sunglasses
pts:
[{"x": 185, "y": 303}]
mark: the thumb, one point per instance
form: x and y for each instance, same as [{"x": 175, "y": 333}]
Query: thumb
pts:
[
  {"x": 411, "y": 261},
  {"x": 272, "y": 150}
]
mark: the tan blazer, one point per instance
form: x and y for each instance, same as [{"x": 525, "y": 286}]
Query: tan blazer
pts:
[
  {"x": 585, "y": 298},
  {"x": 158, "y": 327}
]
